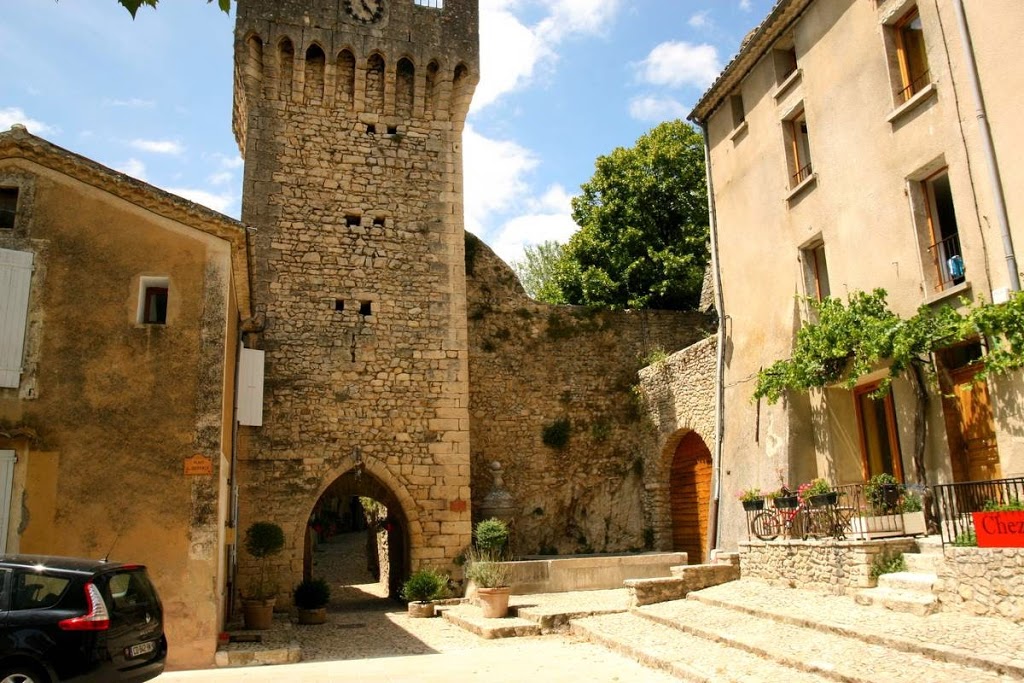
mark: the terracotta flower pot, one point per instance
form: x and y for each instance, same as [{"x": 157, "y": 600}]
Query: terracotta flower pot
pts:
[
  {"x": 421, "y": 610},
  {"x": 311, "y": 617},
  {"x": 494, "y": 601},
  {"x": 258, "y": 614}
]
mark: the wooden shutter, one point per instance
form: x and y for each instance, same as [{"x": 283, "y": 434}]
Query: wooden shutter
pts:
[
  {"x": 15, "y": 279},
  {"x": 7, "y": 460},
  {"x": 250, "y": 388}
]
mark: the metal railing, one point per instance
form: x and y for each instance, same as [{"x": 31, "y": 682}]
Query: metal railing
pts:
[
  {"x": 869, "y": 518},
  {"x": 802, "y": 174},
  {"x": 957, "y": 501},
  {"x": 915, "y": 86},
  {"x": 949, "y": 261}
]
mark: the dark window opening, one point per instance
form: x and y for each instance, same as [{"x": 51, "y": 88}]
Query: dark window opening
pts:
[
  {"x": 371, "y": 129},
  {"x": 943, "y": 231},
  {"x": 365, "y": 308},
  {"x": 339, "y": 304},
  {"x": 352, "y": 221},
  {"x": 392, "y": 130},
  {"x": 379, "y": 221},
  {"x": 8, "y": 207},
  {"x": 155, "y": 309}
]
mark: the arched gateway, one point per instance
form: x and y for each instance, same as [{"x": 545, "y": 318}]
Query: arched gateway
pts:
[
  {"x": 353, "y": 191},
  {"x": 690, "y": 486}
]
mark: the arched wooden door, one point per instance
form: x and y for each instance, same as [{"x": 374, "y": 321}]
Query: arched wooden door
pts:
[{"x": 690, "y": 485}]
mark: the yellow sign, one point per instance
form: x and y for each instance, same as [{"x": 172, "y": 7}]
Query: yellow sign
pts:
[{"x": 198, "y": 465}]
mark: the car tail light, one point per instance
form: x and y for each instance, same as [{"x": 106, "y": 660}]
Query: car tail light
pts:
[{"x": 96, "y": 619}]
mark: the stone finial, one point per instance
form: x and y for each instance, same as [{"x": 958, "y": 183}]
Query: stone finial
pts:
[{"x": 498, "y": 502}]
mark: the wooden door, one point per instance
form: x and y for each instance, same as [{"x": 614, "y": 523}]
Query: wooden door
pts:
[
  {"x": 690, "y": 487},
  {"x": 977, "y": 451}
]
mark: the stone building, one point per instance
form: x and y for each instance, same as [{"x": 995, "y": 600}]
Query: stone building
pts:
[
  {"x": 857, "y": 144},
  {"x": 119, "y": 314}
]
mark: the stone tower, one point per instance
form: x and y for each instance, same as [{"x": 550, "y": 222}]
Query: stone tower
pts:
[{"x": 349, "y": 114}]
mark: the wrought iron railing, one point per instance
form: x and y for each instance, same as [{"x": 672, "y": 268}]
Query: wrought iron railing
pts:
[
  {"x": 870, "y": 518},
  {"x": 802, "y": 174},
  {"x": 957, "y": 501},
  {"x": 949, "y": 261},
  {"x": 915, "y": 86}
]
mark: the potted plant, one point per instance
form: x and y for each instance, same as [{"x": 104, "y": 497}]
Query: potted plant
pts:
[
  {"x": 263, "y": 540},
  {"x": 311, "y": 598},
  {"x": 912, "y": 510},
  {"x": 486, "y": 570},
  {"x": 752, "y": 499},
  {"x": 884, "y": 515},
  {"x": 423, "y": 586},
  {"x": 784, "y": 499},
  {"x": 818, "y": 493},
  {"x": 883, "y": 492}
]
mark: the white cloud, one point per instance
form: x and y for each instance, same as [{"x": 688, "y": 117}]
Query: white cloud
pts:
[
  {"x": 132, "y": 167},
  {"x": 745, "y": 5},
  {"x": 678, "y": 63},
  {"x": 700, "y": 19},
  {"x": 221, "y": 178},
  {"x": 132, "y": 103},
  {"x": 656, "y": 108},
  {"x": 510, "y": 50},
  {"x": 494, "y": 176},
  {"x": 158, "y": 146},
  {"x": 217, "y": 202},
  {"x": 520, "y": 231},
  {"x": 12, "y": 115}
]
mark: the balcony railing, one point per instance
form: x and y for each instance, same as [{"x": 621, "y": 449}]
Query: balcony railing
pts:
[
  {"x": 949, "y": 262},
  {"x": 802, "y": 174},
  {"x": 915, "y": 86},
  {"x": 956, "y": 502}
]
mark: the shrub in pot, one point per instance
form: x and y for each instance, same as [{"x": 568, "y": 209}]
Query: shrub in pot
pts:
[
  {"x": 486, "y": 569},
  {"x": 263, "y": 540},
  {"x": 311, "y": 598},
  {"x": 422, "y": 586}
]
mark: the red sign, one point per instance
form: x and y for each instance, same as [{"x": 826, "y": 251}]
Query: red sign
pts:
[
  {"x": 198, "y": 465},
  {"x": 999, "y": 529}
]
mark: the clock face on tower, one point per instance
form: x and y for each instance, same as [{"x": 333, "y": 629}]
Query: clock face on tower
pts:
[{"x": 366, "y": 11}]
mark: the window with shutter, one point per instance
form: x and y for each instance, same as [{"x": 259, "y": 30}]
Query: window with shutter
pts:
[{"x": 15, "y": 281}]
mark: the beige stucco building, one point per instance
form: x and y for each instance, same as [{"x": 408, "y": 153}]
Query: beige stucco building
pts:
[
  {"x": 849, "y": 151},
  {"x": 120, "y": 307}
]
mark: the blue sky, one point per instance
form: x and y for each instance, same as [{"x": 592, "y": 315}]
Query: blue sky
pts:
[{"x": 563, "y": 81}]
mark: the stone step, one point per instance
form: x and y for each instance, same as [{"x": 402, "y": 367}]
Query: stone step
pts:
[
  {"x": 922, "y": 563},
  {"x": 470, "y": 618},
  {"x": 839, "y": 657},
  {"x": 986, "y": 643},
  {"x": 911, "y": 582},
  {"x": 929, "y": 545},
  {"x": 681, "y": 654},
  {"x": 911, "y": 602}
]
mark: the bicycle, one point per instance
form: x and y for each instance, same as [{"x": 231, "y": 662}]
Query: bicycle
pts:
[{"x": 769, "y": 524}]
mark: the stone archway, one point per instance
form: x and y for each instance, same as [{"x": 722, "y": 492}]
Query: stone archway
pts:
[
  {"x": 690, "y": 481},
  {"x": 357, "y": 539}
]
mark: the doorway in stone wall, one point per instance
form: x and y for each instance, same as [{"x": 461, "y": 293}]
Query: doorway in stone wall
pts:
[
  {"x": 356, "y": 540},
  {"x": 690, "y": 486}
]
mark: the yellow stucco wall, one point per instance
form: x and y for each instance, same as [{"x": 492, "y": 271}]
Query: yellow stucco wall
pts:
[{"x": 117, "y": 406}]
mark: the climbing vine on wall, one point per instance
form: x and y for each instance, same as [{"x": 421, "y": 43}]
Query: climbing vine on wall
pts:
[{"x": 851, "y": 339}]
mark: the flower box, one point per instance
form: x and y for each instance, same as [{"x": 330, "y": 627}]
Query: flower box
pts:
[
  {"x": 1004, "y": 529},
  {"x": 886, "y": 526}
]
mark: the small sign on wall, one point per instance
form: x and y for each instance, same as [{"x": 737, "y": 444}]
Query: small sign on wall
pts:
[{"x": 198, "y": 465}]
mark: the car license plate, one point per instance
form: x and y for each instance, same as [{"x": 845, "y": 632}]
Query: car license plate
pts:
[{"x": 141, "y": 649}]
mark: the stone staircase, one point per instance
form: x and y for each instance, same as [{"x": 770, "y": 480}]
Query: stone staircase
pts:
[
  {"x": 913, "y": 590},
  {"x": 746, "y": 631}
]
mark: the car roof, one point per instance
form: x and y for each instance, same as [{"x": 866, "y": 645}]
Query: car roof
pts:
[{"x": 72, "y": 564}]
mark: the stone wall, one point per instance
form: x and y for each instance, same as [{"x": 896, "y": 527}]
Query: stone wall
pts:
[
  {"x": 679, "y": 396},
  {"x": 982, "y": 581},
  {"x": 350, "y": 123},
  {"x": 535, "y": 368},
  {"x": 830, "y": 566}
]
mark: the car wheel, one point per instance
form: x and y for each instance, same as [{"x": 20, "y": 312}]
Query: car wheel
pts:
[{"x": 22, "y": 674}]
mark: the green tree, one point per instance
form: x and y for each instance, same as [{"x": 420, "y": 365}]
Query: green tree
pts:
[
  {"x": 133, "y": 5},
  {"x": 537, "y": 271},
  {"x": 643, "y": 217}
]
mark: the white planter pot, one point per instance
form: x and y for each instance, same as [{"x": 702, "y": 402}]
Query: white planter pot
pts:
[{"x": 887, "y": 526}]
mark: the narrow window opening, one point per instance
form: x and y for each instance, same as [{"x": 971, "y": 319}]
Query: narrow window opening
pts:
[
  {"x": 392, "y": 130},
  {"x": 816, "y": 272},
  {"x": 785, "y": 63},
  {"x": 365, "y": 308},
  {"x": 8, "y": 207},
  {"x": 339, "y": 305},
  {"x": 912, "y": 56},
  {"x": 378, "y": 222},
  {"x": 943, "y": 232},
  {"x": 371, "y": 129},
  {"x": 739, "y": 114},
  {"x": 154, "y": 310},
  {"x": 799, "y": 151},
  {"x": 352, "y": 221}
]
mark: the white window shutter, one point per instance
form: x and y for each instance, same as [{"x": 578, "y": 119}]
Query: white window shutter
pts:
[
  {"x": 15, "y": 280},
  {"x": 7, "y": 460},
  {"x": 250, "y": 388}
]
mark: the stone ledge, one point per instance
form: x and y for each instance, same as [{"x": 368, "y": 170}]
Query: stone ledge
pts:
[
  {"x": 470, "y": 619},
  {"x": 291, "y": 654}
]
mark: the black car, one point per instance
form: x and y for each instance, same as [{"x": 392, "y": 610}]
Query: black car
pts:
[{"x": 68, "y": 619}]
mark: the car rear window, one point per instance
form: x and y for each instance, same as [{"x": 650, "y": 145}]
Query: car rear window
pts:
[
  {"x": 130, "y": 590},
  {"x": 36, "y": 591}
]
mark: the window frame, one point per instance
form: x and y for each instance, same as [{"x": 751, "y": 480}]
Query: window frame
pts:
[
  {"x": 944, "y": 279},
  {"x": 812, "y": 271},
  {"x": 149, "y": 284},
  {"x": 799, "y": 172},
  {"x": 892, "y": 430},
  {"x": 13, "y": 211},
  {"x": 910, "y": 85}
]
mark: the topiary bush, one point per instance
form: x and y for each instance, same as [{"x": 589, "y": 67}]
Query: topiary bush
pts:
[
  {"x": 424, "y": 585},
  {"x": 312, "y": 594},
  {"x": 491, "y": 536},
  {"x": 263, "y": 540}
]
